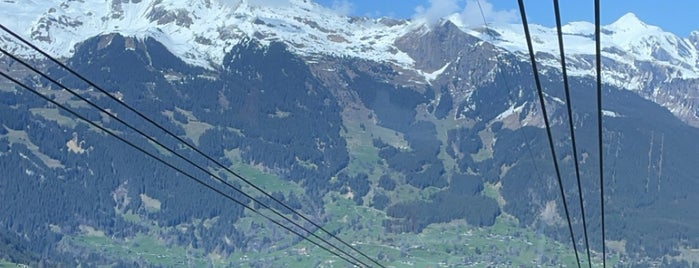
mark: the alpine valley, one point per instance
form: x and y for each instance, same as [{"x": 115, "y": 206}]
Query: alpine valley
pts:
[{"x": 420, "y": 143}]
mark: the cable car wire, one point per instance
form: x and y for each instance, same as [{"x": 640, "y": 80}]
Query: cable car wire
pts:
[
  {"x": 507, "y": 85},
  {"x": 569, "y": 105},
  {"x": 187, "y": 144},
  {"x": 598, "y": 69},
  {"x": 208, "y": 172},
  {"x": 144, "y": 151},
  {"x": 546, "y": 122}
]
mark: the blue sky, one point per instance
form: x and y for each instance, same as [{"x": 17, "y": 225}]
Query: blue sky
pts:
[{"x": 677, "y": 16}]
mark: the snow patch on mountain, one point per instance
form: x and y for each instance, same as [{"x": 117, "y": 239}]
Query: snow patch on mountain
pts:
[
  {"x": 610, "y": 113},
  {"x": 434, "y": 75},
  {"x": 512, "y": 110}
]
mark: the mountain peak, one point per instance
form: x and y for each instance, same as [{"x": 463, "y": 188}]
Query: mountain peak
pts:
[{"x": 628, "y": 21}]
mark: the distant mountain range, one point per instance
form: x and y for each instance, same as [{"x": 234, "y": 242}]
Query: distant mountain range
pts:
[
  {"x": 396, "y": 134},
  {"x": 639, "y": 57}
]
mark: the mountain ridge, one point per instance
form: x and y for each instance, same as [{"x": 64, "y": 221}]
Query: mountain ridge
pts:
[
  {"x": 180, "y": 21},
  {"x": 639, "y": 57}
]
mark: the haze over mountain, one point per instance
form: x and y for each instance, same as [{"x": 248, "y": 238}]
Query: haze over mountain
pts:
[{"x": 420, "y": 142}]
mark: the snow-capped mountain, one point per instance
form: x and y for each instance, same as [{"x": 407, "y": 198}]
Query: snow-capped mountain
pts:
[
  {"x": 201, "y": 31},
  {"x": 657, "y": 64},
  {"x": 626, "y": 41}
]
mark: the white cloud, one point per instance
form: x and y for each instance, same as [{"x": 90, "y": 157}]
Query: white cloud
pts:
[
  {"x": 342, "y": 7},
  {"x": 471, "y": 15},
  {"x": 378, "y": 14},
  {"x": 437, "y": 10}
]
